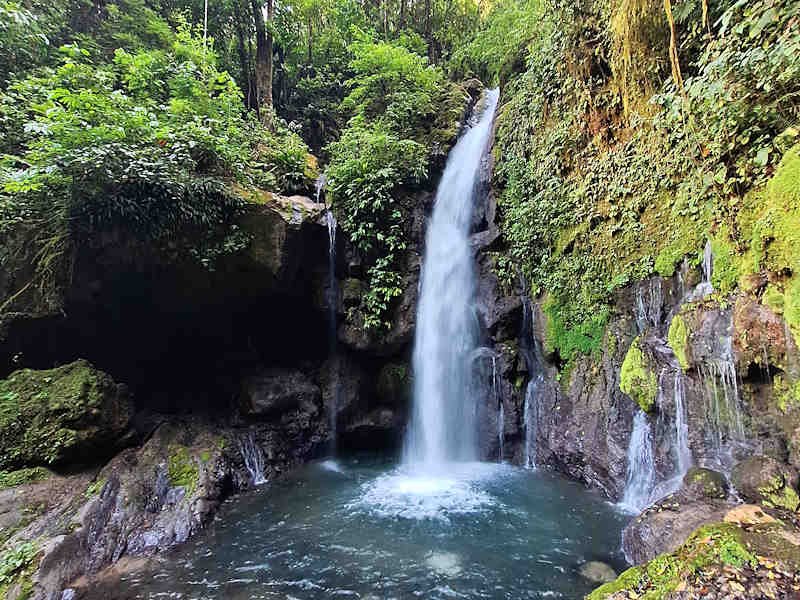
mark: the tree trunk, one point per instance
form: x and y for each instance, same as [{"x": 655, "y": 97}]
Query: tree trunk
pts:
[
  {"x": 244, "y": 58},
  {"x": 263, "y": 65},
  {"x": 428, "y": 36},
  {"x": 673, "y": 50},
  {"x": 310, "y": 30}
]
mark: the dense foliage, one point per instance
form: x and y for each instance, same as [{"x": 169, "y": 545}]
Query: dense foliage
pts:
[
  {"x": 400, "y": 107},
  {"x": 149, "y": 117},
  {"x": 611, "y": 169}
]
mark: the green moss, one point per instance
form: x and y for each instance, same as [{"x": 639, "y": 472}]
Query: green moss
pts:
[
  {"x": 678, "y": 339},
  {"x": 785, "y": 392},
  {"x": 569, "y": 334},
  {"x": 777, "y": 494},
  {"x": 628, "y": 580},
  {"x": 16, "y": 567},
  {"x": 636, "y": 379},
  {"x": 182, "y": 469},
  {"x": 771, "y": 217},
  {"x": 668, "y": 257},
  {"x": 94, "y": 488},
  {"x": 51, "y": 415},
  {"x": 729, "y": 266},
  {"x": 718, "y": 544},
  {"x": 21, "y": 476},
  {"x": 791, "y": 311}
]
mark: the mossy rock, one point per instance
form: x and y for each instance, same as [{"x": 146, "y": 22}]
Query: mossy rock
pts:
[
  {"x": 17, "y": 565},
  {"x": 716, "y": 544},
  {"x": 678, "y": 339},
  {"x": 765, "y": 481},
  {"x": 636, "y": 378},
  {"x": 23, "y": 476},
  {"x": 72, "y": 413},
  {"x": 705, "y": 483}
]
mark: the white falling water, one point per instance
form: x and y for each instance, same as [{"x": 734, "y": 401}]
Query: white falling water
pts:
[
  {"x": 319, "y": 186},
  {"x": 501, "y": 416},
  {"x": 443, "y": 422},
  {"x": 530, "y": 417},
  {"x": 501, "y": 419},
  {"x": 683, "y": 459},
  {"x": 330, "y": 220},
  {"x": 641, "y": 472},
  {"x": 724, "y": 420},
  {"x": 649, "y": 304},
  {"x": 253, "y": 458},
  {"x": 705, "y": 288}
]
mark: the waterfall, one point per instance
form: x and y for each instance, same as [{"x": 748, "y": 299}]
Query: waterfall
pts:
[
  {"x": 723, "y": 406},
  {"x": 648, "y": 309},
  {"x": 683, "y": 458},
  {"x": 333, "y": 297},
  {"x": 501, "y": 416},
  {"x": 253, "y": 458},
  {"x": 501, "y": 419},
  {"x": 443, "y": 422},
  {"x": 641, "y": 471},
  {"x": 704, "y": 288},
  {"x": 530, "y": 418},
  {"x": 330, "y": 221}
]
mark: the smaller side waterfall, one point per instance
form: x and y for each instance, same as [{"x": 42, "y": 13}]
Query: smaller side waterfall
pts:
[
  {"x": 704, "y": 288},
  {"x": 501, "y": 419},
  {"x": 332, "y": 297},
  {"x": 723, "y": 406},
  {"x": 253, "y": 458},
  {"x": 641, "y": 473},
  {"x": 530, "y": 420},
  {"x": 330, "y": 221},
  {"x": 683, "y": 459},
  {"x": 649, "y": 304}
]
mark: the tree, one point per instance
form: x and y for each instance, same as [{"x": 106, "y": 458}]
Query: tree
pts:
[{"x": 263, "y": 64}]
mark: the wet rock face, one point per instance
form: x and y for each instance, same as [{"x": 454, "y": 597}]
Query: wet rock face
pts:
[
  {"x": 71, "y": 414},
  {"x": 146, "y": 499},
  {"x": 588, "y": 426},
  {"x": 275, "y": 391}
]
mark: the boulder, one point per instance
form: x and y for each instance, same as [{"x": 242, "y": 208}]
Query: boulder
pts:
[
  {"x": 705, "y": 483},
  {"x": 597, "y": 572},
  {"x": 764, "y": 480},
  {"x": 69, "y": 414},
  {"x": 666, "y": 525},
  {"x": 275, "y": 391}
]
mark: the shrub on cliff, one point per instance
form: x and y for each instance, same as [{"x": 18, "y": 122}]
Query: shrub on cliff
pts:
[
  {"x": 153, "y": 141},
  {"x": 403, "y": 111}
]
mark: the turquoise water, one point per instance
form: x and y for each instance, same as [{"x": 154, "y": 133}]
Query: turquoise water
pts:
[{"x": 366, "y": 529}]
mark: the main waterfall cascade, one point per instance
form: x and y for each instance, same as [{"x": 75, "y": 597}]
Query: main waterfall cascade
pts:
[
  {"x": 443, "y": 423},
  {"x": 440, "y": 525}
]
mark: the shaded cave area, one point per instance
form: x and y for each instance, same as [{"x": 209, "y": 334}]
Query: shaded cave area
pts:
[{"x": 187, "y": 340}]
